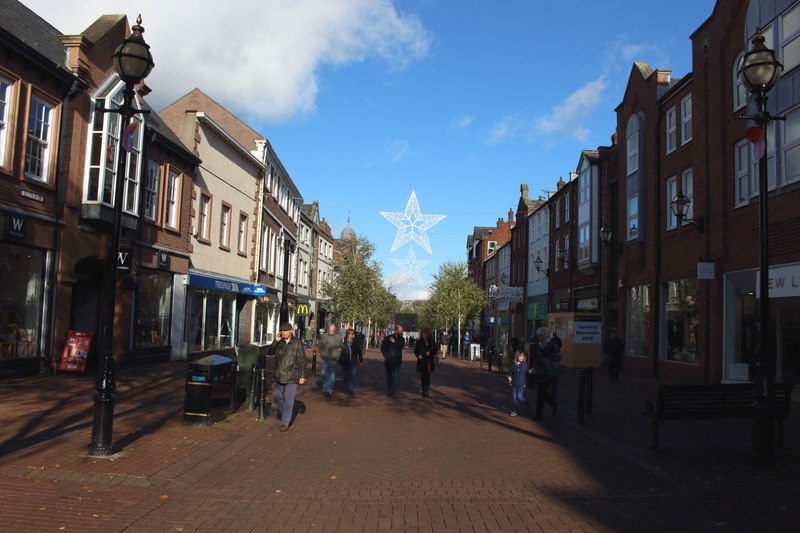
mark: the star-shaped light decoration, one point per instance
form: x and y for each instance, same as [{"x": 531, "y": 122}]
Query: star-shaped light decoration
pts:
[
  {"x": 413, "y": 225},
  {"x": 410, "y": 266}
]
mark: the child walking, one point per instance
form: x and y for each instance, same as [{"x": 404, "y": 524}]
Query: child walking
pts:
[{"x": 517, "y": 378}]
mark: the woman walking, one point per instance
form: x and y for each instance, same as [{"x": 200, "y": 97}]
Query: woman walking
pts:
[
  {"x": 350, "y": 358},
  {"x": 425, "y": 350}
]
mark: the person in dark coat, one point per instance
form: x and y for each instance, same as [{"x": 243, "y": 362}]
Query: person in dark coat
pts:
[
  {"x": 613, "y": 350},
  {"x": 425, "y": 351},
  {"x": 350, "y": 357},
  {"x": 392, "y": 350},
  {"x": 289, "y": 371},
  {"x": 544, "y": 369}
]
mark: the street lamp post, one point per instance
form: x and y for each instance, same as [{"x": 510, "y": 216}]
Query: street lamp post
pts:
[
  {"x": 288, "y": 248},
  {"x": 759, "y": 71},
  {"x": 132, "y": 62}
]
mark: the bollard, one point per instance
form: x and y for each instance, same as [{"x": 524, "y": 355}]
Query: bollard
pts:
[
  {"x": 262, "y": 401},
  {"x": 251, "y": 400},
  {"x": 589, "y": 391},
  {"x": 500, "y": 365},
  {"x": 314, "y": 363},
  {"x": 581, "y": 395},
  {"x": 491, "y": 356},
  {"x": 234, "y": 385}
]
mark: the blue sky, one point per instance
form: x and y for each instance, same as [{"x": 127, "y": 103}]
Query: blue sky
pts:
[{"x": 366, "y": 101}]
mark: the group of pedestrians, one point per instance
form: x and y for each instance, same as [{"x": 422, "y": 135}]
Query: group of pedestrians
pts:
[{"x": 540, "y": 370}]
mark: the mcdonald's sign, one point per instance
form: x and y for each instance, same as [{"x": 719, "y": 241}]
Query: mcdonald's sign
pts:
[{"x": 302, "y": 310}]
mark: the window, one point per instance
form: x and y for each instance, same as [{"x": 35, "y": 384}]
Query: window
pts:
[
  {"x": 555, "y": 253},
  {"x": 633, "y": 152},
  {"x": 204, "y": 217},
  {"x": 584, "y": 185},
  {"x": 37, "y": 148},
  {"x": 153, "y": 309},
  {"x": 633, "y": 217},
  {"x": 171, "y": 204},
  {"x": 686, "y": 119},
  {"x": 682, "y": 320},
  {"x": 225, "y": 227},
  {"x": 107, "y": 136},
  {"x": 566, "y": 206},
  {"x": 790, "y": 146},
  {"x": 672, "y": 192},
  {"x": 672, "y": 131},
  {"x": 739, "y": 90},
  {"x": 241, "y": 246},
  {"x": 273, "y": 252},
  {"x": 638, "y": 320},
  {"x": 5, "y": 101},
  {"x": 790, "y": 34},
  {"x": 558, "y": 212},
  {"x": 687, "y": 188},
  {"x": 741, "y": 166},
  {"x": 264, "y": 248},
  {"x": 566, "y": 252},
  {"x": 584, "y": 242},
  {"x": 151, "y": 190}
]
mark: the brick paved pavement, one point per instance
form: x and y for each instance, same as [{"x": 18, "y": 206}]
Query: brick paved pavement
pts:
[{"x": 452, "y": 462}]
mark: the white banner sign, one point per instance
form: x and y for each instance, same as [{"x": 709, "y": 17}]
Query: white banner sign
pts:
[
  {"x": 511, "y": 294},
  {"x": 587, "y": 333},
  {"x": 784, "y": 282}
]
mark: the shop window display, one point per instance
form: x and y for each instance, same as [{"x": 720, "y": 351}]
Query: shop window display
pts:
[{"x": 21, "y": 275}]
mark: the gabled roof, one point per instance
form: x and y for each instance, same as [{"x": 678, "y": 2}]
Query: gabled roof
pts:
[{"x": 166, "y": 136}]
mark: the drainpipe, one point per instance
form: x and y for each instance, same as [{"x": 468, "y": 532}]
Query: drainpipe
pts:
[
  {"x": 657, "y": 289},
  {"x": 707, "y": 340}
]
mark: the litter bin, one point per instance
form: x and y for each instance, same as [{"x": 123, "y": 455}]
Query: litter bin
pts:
[{"x": 208, "y": 390}]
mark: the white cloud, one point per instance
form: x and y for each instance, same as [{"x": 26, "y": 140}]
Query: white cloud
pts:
[
  {"x": 569, "y": 116},
  {"x": 405, "y": 289},
  {"x": 259, "y": 58},
  {"x": 503, "y": 129},
  {"x": 397, "y": 149},
  {"x": 462, "y": 122}
]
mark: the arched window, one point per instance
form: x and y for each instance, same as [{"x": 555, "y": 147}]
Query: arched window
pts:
[{"x": 739, "y": 90}]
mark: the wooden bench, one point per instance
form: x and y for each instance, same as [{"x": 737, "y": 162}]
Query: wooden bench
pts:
[{"x": 722, "y": 401}]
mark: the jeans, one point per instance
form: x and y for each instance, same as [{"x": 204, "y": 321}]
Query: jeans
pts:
[
  {"x": 517, "y": 397},
  {"x": 349, "y": 378},
  {"x": 392, "y": 375},
  {"x": 283, "y": 394},
  {"x": 328, "y": 374}
]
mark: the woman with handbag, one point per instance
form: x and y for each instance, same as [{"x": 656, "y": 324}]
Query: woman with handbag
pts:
[{"x": 425, "y": 351}]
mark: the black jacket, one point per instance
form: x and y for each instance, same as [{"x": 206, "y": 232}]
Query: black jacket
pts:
[
  {"x": 392, "y": 350},
  {"x": 351, "y": 354},
  {"x": 426, "y": 355}
]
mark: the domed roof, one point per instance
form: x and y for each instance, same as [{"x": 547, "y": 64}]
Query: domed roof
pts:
[{"x": 347, "y": 232}]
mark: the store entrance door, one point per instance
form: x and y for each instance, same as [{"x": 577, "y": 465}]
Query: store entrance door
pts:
[{"x": 788, "y": 349}]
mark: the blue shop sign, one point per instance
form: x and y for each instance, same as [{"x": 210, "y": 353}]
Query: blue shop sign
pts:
[{"x": 218, "y": 284}]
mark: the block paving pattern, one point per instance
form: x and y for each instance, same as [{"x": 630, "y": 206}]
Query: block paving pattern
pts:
[{"x": 449, "y": 463}]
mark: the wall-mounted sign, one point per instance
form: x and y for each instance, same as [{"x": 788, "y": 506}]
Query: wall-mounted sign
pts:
[
  {"x": 124, "y": 259},
  {"x": 31, "y": 195},
  {"x": 15, "y": 227},
  {"x": 163, "y": 260}
]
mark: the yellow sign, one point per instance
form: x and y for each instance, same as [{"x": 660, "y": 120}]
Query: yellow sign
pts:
[{"x": 302, "y": 309}]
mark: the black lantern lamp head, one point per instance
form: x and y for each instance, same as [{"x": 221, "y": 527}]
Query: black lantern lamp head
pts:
[
  {"x": 606, "y": 234},
  {"x": 680, "y": 208},
  {"x": 759, "y": 69},
  {"x": 537, "y": 264},
  {"x": 132, "y": 59}
]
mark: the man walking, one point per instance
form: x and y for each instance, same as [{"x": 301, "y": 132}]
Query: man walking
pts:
[
  {"x": 613, "y": 350},
  {"x": 289, "y": 371},
  {"x": 330, "y": 346},
  {"x": 392, "y": 350}
]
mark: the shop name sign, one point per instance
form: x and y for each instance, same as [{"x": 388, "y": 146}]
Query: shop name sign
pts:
[
  {"x": 784, "y": 282},
  {"x": 504, "y": 292}
]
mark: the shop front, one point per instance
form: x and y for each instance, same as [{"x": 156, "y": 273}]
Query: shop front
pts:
[
  {"x": 26, "y": 266},
  {"x": 215, "y": 308},
  {"x": 741, "y": 311}
]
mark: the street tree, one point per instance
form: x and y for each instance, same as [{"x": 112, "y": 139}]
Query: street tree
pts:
[
  {"x": 355, "y": 292},
  {"x": 454, "y": 299}
]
